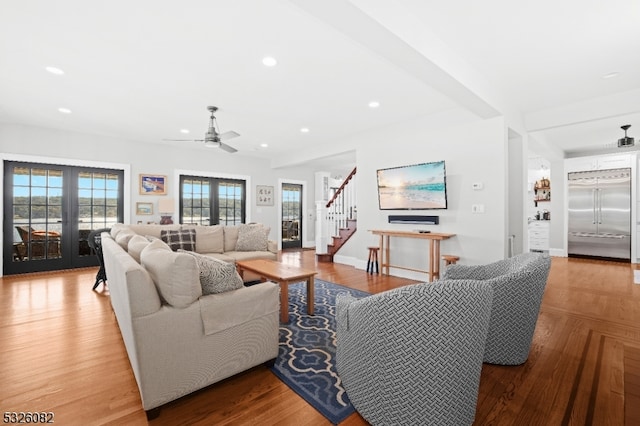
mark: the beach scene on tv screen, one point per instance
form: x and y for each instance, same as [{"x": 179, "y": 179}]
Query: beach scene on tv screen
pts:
[{"x": 419, "y": 186}]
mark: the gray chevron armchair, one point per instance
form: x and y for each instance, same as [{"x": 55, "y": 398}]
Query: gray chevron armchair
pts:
[
  {"x": 518, "y": 286},
  {"x": 413, "y": 355}
]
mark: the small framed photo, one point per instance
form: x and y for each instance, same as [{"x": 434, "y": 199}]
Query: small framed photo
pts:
[
  {"x": 264, "y": 195},
  {"x": 144, "y": 208},
  {"x": 153, "y": 184}
]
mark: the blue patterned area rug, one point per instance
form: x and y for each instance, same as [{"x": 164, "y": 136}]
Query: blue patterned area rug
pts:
[{"x": 306, "y": 358}]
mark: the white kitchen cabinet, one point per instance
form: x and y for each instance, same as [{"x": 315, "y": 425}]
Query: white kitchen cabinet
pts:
[
  {"x": 539, "y": 235},
  {"x": 601, "y": 162}
]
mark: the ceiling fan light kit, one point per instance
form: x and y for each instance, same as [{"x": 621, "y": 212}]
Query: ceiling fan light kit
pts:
[
  {"x": 213, "y": 138},
  {"x": 626, "y": 140}
]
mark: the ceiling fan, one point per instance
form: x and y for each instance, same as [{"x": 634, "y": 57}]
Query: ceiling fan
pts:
[{"x": 213, "y": 138}]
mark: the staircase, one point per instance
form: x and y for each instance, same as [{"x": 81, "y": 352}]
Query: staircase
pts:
[{"x": 339, "y": 219}]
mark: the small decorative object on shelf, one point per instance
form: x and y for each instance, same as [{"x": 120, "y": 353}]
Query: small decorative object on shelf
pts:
[{"x": 542, "y": 191}]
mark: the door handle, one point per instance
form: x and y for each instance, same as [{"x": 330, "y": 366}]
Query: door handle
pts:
[
  {"x": 595, "y": 205},
  {"x": 599, "y": 206}
]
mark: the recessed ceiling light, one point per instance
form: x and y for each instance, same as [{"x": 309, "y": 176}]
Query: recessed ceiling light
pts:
[
  {"x": 185, "y": 131},
  {"x": 374, "y": 104},
  {"x": 305, "y": 130},
  {"x": 64, "y": 110},
  {"x": 269, "y": 61},
  {"x": 54, "y": 70},
  {"x": 611, "y": 75},
  {"x": 264, "y": 145}
]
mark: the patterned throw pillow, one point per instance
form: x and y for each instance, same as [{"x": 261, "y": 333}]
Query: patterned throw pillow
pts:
[
  {"x": 216, "y": 276},
  {"x": 252, "y": 238},
  {"x": 184, "y": 239}
]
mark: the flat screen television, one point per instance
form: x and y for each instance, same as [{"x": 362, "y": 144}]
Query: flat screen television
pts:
[{"x": 414, "y": 187}]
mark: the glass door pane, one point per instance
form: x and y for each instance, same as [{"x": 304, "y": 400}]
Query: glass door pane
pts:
[
  {"x": 291, "y": 215},
  {"x": 230, "y": 199},
  {"x": 98, "y": 195},
  {"x": 195, "y": 202},
  {"x": 37, "y": 214}
]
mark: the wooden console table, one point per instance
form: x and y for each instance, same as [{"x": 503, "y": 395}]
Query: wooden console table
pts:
[{"x": 434, "y": 249}]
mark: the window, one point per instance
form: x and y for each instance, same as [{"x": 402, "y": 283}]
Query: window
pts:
[{"x": 212, "y": 201}]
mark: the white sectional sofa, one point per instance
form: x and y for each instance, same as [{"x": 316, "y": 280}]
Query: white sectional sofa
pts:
[{"x": 177, "y": 339}]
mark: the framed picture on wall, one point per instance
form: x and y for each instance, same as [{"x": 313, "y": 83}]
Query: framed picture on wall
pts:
[
  {"x": 144, "y": 208},
  {"x": 153, "y": 184},
  {"x": 264, "y": 195}
]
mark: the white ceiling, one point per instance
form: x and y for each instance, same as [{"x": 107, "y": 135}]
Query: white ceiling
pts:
[{"x": 142, "y": 70}]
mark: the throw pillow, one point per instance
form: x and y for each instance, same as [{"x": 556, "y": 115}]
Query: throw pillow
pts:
[
  {"x": 230, "y": 237},
  {"x": 184, "y": 239},
  {"x": 209, "y": 239},
  {"x": 216, "y": 276},
  {"x": 116, "y": 228},
  {"x": 137, "y": 243},
  {"x": 252, "y": 238},
  {"x": 123, "y": 238},
  {"x": 174, "y": 274}
]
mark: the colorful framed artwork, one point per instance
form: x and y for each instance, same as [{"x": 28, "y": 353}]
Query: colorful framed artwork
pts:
[
  {"x": 264, "y": 195},
  {"x": 144, "y": 208},
  {"x": 153, "y": 184}
]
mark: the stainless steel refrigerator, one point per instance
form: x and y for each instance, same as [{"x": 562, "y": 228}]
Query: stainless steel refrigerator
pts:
[{"x": 600, "y": 213}]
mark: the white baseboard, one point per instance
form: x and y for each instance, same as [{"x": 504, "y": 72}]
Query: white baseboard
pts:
[{"x": 558, "y": 252}]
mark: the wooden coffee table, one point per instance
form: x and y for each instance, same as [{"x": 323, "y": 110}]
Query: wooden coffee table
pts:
[{"x": 283, "y": 275}]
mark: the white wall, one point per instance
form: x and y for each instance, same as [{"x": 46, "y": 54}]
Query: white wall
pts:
[
  {"x": 474, "y": 152},
  {"x": 63, "y": 147},
  {"x": 516, "y": 191}
]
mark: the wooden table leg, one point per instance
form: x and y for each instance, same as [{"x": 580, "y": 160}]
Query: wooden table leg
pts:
[
  {"x": 431, "y": 250},
  {"x": 310, "y": 295},
  {"x": 284, "y": 301},
  {"x": 436, "y": 258},
  {"x": 387, "y": 254}
]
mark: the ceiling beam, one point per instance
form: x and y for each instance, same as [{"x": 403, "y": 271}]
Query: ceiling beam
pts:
[{"x": 396, "y": 36}]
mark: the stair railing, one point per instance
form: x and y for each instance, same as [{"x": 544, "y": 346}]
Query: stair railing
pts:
[{"x": 342, "y": 206}]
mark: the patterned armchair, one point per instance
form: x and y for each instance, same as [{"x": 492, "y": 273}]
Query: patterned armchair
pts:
[
  {"x": 413, "y": 355},
  {"x": 518, "y": 285}
]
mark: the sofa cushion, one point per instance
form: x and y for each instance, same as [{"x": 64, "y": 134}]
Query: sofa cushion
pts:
[
  {"x": 230, "y": 237},
  {"x": 221, "y": 312},
  {"x": 209, "y": 239},
  {"x": 216, "y": 276},
  {"x": 152, "y": 229},
  {"x": 137, "y": 243},
  {"x": 249, "y": 255},
  {"x": 176, "y": 275},
  {"x": 184, "y": 239},
  {"x": 252, "y": 238},
  {"x": 220, "y": 256}
]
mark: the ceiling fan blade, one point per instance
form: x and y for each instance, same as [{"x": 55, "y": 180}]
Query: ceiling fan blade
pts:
[
  {"x": 228, "y": 135},
  {"x": 227, "y": 148},
  {"x": 184, "y": 140}
]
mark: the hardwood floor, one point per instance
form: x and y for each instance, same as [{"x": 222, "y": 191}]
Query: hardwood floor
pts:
[{"x": 61, "y": 352}]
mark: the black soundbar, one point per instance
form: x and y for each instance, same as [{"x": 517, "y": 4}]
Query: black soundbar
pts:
[{"x": 415, "y": 219}]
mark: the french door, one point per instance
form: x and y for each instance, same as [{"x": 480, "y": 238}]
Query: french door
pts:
[
  {"x": 49, "y": 211},
  {"x": 291, "y": 215}
]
